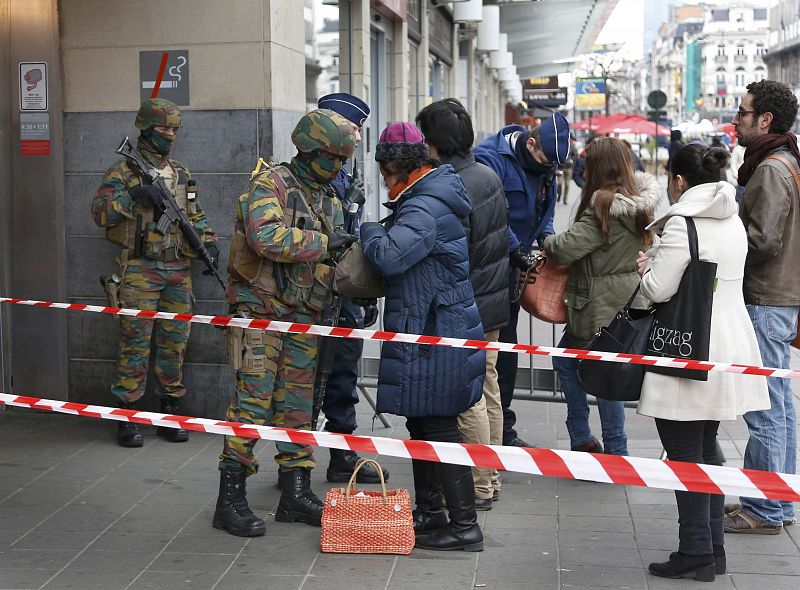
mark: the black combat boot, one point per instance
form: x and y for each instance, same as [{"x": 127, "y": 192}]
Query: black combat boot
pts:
[
  {"x": 128, "y": 434},
  {"x": 429, "y": 513},
  {"x": 342, "y": 465},
  {"x": 298, "y": 502},
  {"x": 462, "y": 533},
  {"x": 232, "y": 513},
  {"x": 169, "y": 405}
]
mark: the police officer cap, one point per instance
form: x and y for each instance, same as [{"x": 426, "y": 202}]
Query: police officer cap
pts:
[{"x": 348, "y": 106}]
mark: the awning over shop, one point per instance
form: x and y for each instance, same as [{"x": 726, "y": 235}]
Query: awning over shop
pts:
[{"x": 542, "y": 32}]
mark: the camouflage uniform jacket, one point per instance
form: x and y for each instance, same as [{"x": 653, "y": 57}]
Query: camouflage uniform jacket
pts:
[
  {"x": 112, "y": 206},
  {"x": 273, "y": 224}
]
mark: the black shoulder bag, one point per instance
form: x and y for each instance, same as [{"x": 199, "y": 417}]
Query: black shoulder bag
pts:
[
  {"x": 627, "y": 333},
  {"x": 682, "y": 326}
]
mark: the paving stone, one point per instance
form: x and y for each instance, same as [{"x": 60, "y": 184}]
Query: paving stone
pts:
[
  {"x": 759, "y": 582},
  {"x": 602, "y": 577},
  {"x": 161, "y": 580},
  {"x": 569, "y": 522},
  {"x": 368, "y": 580}
]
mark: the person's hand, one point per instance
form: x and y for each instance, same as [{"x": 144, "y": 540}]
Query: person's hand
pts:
[
  {"x": 540, "y": 240},
  {"x": 340, "y": 239},
  {"x": 370, "y": 315},
  {"x": 519, "y": 259},
  {"x": 641, "y": 263},
  {"x": 213, "y": 252},
  {"x": 146, "y": 194}
]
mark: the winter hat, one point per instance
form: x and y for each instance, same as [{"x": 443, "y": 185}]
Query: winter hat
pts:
[
  {"x": 401, "y": 141},
  {"x": 348, "y": 106},
  {"x": 554, "y": 135}
]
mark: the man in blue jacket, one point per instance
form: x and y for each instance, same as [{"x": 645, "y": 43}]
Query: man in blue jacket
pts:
[{"x": 526, "y": 162}]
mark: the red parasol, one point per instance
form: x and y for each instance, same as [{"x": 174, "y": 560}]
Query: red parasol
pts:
[{"x": 635, "y": 124}]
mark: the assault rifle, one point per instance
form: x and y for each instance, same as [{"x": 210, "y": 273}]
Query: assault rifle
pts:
[
  {"x": 330, "y": 317},
  {"x": 166, "y": 205}
]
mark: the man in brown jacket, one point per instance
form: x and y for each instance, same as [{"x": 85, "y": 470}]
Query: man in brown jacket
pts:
[{"x": 770, "y": 210}]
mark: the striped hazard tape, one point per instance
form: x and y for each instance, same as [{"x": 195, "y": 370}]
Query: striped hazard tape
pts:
[
  {"x": 636, "y": 471},
  {"x": 532, "y": 349}
]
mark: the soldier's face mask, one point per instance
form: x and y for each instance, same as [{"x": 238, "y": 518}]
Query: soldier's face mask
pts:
[
  {"x": 325, "y": 166},
  {"x": 161, "y": 142}
]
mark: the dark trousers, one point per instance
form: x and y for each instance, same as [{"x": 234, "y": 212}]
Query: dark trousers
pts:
[
  {"x": 341, "y": 397},
  {"x": 699, "y": 515},
  {"x": 507, "y": 363},
  {"x": 435, "y": 428}
]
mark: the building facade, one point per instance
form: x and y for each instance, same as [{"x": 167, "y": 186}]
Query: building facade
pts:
[
  {"x": 783, "y": 58},
  {"x": 245, "y": 91}
]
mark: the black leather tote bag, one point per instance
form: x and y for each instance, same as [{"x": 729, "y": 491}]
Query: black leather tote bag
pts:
[
  {"x": 627, "y": 333},
  {"x": 682, "y": 326}
]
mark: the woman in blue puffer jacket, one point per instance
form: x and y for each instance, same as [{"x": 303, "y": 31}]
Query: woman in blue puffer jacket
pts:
[{"x": 422, "y": 252}]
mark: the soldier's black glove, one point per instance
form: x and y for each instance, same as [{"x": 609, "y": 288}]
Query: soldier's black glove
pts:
[
  {"x": 339, "y": 240},
  {"x": 519, "y": 259},
  {"x": 354, "y": 194},
  {"x": 370, "y": 315},
  {"x": 540, "y": 240},
  {"x": 213, "y": 251},
  {"x": 146, "y": 194}
]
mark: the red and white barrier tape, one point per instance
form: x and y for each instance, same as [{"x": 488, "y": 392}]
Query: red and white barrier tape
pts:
[
  {"x": 637, "y": 471},
  {"x": 297, "y": 328}
]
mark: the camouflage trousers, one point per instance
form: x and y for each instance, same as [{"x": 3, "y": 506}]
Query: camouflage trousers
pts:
[
  {"x": 153, "y": 290},
  {"x": 282, "y": 395}
]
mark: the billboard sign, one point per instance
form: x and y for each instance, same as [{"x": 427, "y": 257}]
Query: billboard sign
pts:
[{"x": 590, "y": 93}]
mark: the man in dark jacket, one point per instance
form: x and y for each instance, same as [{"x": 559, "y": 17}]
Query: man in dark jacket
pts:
[
  {"x": 675, "y": 143},
  {"x": 526, "y": 162},
  {"x": 770, "y": 210},
  {"x": 448, "y": 131}
]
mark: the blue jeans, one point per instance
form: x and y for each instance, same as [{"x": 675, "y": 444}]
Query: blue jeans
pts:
[
  {"x": 773, "y": 433},
  {"x": 612, "y": 414}
]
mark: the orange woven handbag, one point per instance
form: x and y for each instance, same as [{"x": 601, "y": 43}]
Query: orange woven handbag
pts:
[
  {"x": 355, "y": 521},
  {"x": 542, "y": 293}
]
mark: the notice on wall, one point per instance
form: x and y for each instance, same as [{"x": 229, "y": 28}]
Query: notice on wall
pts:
[
  {"x": 32, "y": 86},
  {"x": 34, "y": 134},
  {"x": 164, "y": 74}
]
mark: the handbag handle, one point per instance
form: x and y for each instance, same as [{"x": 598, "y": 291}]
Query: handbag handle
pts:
[{"x": 351, "y": 485}]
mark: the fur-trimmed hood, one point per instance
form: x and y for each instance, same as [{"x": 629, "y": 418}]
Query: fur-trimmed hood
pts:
[{"x": 650, "y": 193}]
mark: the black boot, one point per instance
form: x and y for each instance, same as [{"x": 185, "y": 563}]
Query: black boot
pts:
[
  {"x": 720, "y": 561},
  {"x": 298, "y": 502},
  {"x": 463, "y": 532},
  {"x": 169, "y": 405},
  {"x": 342, "y": 465},
  {"x": 232, "y": 513},
  {"x": 128, "y": 434},
  {"x": 429, "y": 513},
  {"x": 680, "y": 565}
]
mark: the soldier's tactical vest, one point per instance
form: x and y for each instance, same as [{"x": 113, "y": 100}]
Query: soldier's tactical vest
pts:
[
  {"x": 306, "y": 283},
  {"x": 166, "y": 247}
]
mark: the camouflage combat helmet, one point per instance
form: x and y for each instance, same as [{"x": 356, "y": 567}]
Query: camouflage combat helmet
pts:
[
  {"x": 324, "y": 130},
  {"x": 158, "y": 112}
]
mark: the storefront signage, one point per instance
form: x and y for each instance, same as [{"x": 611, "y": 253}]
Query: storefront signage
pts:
[{"x": 590, "y": 93}]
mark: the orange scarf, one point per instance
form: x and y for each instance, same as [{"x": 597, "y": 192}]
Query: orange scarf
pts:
[{"x": 400, "y": 186}]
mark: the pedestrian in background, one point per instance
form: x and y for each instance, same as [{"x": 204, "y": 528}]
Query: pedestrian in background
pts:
[
  {"x": 600, "y": 249},
  {"x": 154, "y": 268},
  {"x": 526, "y": 162},
  {"x": 341, "y": 395},
  {"x": 770, "y": 210},
  {"x": 422, "y": 251},
  {"x": 688, "y": 412},
  {"x": 447, "y": 128}
]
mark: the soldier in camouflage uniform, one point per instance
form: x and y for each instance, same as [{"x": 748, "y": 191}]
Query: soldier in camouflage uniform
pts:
[
  {"x": 155, "y": 268},
  {"x": 288, "y": 224}
]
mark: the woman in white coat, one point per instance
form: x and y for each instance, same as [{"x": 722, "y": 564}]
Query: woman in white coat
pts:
[{"x": 688, "y": 412}]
